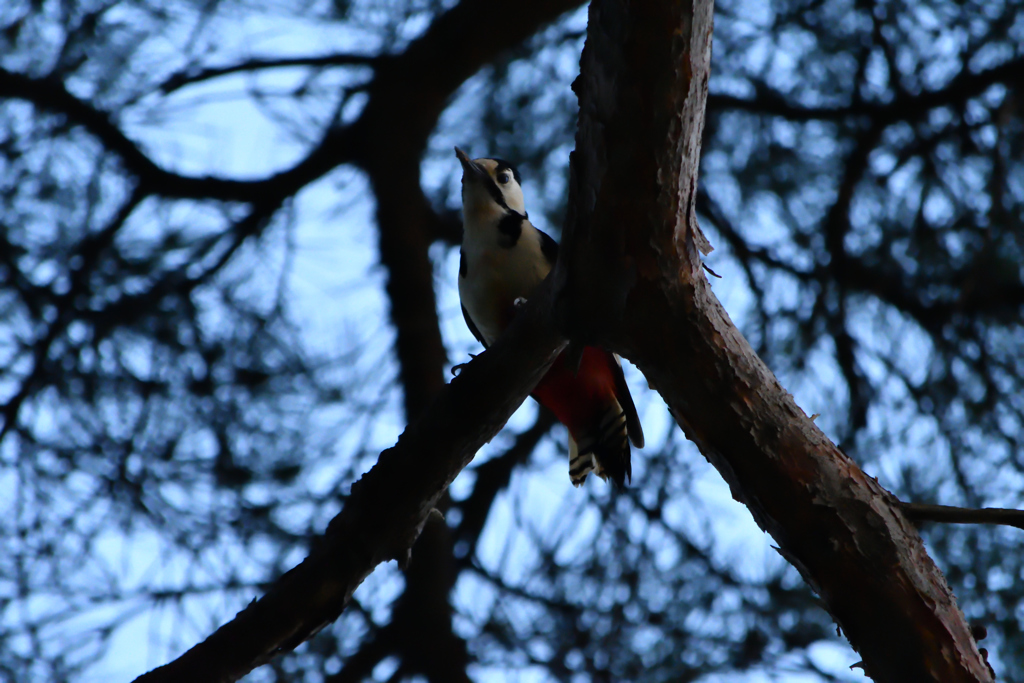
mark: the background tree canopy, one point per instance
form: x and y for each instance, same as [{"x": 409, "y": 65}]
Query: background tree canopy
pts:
[{"x": 227, "y": 277}]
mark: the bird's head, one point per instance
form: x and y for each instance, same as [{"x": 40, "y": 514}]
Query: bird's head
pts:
[{"x": 490, "y": 189}]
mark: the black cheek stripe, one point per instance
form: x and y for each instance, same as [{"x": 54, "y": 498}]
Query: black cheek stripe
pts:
[{"x": 495, "y": 193}]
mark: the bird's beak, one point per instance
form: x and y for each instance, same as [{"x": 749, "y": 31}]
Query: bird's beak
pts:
[{"x": 469, "y": 169}]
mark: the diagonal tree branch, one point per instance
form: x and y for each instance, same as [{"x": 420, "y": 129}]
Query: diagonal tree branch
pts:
[
  {"x": 189, "y": 77},
  {"x": 491, "y": 477},
  {"x": 387, "y": 507}
]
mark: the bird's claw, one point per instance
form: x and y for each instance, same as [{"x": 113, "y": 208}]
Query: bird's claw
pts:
[{"x": 456, "y": 369}]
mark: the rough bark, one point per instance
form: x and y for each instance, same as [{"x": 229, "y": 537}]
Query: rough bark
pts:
[
  {"x": 642, "y": 90},
  {"x": 387, "y": 508}
]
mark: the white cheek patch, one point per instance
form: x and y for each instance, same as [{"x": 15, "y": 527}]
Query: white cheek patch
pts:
[{"x": 478, "y": 208}]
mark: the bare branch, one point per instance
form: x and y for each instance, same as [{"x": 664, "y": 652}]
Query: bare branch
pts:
[
  {"x": 905, "y": 107},
  {"x": 183, "y": 78},
  {"x": 50, "y": 94},
  {"x": 922, "y": 512}
]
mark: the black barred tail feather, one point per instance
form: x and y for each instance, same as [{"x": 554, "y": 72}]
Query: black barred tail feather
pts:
[
  {"x": 604, "y": 450},
  {"x": 580, "y": 463}
]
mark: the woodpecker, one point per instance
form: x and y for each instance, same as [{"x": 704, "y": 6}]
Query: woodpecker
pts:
[{"x": 502, "y": 261}]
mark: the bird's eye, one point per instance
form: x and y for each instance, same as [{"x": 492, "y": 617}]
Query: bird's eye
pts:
[{"x": 503, "y": 177}]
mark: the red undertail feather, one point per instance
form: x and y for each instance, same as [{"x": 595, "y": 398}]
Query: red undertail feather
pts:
[{"x": 600, "y": 421}]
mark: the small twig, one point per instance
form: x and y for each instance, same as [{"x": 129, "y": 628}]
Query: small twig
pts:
[
  {"x": 711, "y": 271},
  {"x": 921, "y": 512},
  {"x": 183, "y": 78}
]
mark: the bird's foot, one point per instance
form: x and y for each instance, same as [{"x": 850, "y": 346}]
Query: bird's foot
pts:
[{"x": 456, "y": 369}]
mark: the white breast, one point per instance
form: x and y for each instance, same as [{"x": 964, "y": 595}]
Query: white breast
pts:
[{"x": 496, "y": 276}]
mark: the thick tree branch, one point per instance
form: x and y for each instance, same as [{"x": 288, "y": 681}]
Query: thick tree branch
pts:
[
  {"x": 642, "y": 88},
  {"x": 412, "y": 619},
  {"x": 387, "y": 507}
]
